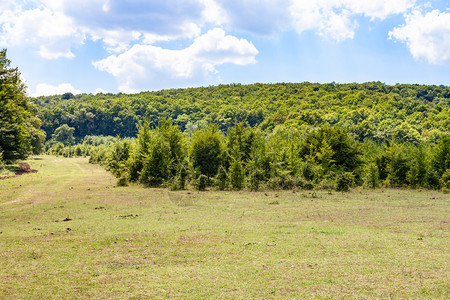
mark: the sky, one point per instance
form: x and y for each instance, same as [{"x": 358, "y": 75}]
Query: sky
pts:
[{"x": 111, "y": 46}]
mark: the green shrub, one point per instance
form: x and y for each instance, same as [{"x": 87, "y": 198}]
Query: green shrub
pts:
[
  {"x": 344, "y": 181},
  {"x": 2, "y": 163},
  {"x": 432, "y": 179},
  {"x": 237, "y": 175},
  {"x": 156, "y": 166},
  {"x": 207, "y": 150},
  {"x": 372, "y": 177},
  {"x": 255, "y": 179},
  {"x": 182, "y": 175},
  {"x": 222, "y": 178},
  {"x": 122, "y": 181},
  {"x": 201, "y": 182},
  {"x": 445, "y": 179}
]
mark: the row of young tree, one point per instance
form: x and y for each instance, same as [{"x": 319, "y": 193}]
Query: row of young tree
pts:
[{"x": 326, "y": 157}]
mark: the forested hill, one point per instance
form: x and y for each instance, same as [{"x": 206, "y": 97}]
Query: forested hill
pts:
[{"x": 370, "y": 110}]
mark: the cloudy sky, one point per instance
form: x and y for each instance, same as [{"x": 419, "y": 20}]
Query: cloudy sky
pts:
[{"x": 91, "y": 46}]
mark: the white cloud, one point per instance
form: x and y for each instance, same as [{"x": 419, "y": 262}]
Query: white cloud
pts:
[
  {"x": 378, "y": 9},
  {"x": 119, "y": 23},
  {"x": 43, "y": 89},
  {"x": 213, "y": 12},
  {"x": 55, "y": 27},
  {"x": 7, "y": 5},
  {"x": 53, "y": 53},
  {"x": 426, "y": 35},
  {"x": 52, "y": 32},
  {"x": 100, "y": 91},
  {"x": 335, "y": 18},
  {"x": 149, "y": 67},
  {"x": 260, "y": 17}
]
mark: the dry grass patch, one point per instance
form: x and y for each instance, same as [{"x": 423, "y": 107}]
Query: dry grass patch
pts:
[{"x": 135, "y": 242}]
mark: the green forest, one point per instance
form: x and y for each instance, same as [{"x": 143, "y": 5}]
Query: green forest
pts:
[{"x": 257, "y": 136}]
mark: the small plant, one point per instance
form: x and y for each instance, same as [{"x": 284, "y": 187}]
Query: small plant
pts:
[
  {"x": 201, "y": 183},
  {"x": 179, "y": 181},
  {"x": 445, "y": 181},
  {"x": 344, "y": 181},
  {"x": 237, "y": 175},
  {"x": 222, "y": 178},
  {"x": 122, "y": 181},
  {"x": 2, "y": 163},
  {"x": 432, "y": 179},
  {"x": 372, "y": 179},
  {"x": 34, "y": 255},
  {"x": 254, "y": 180},
  {"x": 309, "y": 185}
]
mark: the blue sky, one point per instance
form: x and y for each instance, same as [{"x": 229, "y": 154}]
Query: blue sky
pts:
[{"x": 91, "y": 46}]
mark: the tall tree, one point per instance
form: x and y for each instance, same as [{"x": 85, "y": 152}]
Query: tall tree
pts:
[
  {"x": 207, "y": 150},
  {"x": 14, "y": 113}
]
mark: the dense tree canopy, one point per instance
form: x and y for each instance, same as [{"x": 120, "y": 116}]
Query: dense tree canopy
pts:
[
  {"x": 286, "y": 135},
  {"x": 19, "y": 128},
  {"x": 373, "y": 110}
]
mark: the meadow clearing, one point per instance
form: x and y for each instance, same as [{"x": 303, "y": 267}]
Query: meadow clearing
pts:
[{"x": 68, "y": 232}]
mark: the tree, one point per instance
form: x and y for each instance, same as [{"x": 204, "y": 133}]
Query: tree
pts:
[
  {"x": 141, "y": 149},
  {"x": 15, "y": 113},
  {"x": 237, "y": 175},
  {"x": 157, "y": 163},
  {"x": 441, "y": 155},
  {"x": 64, "y": 134},
  {"x": 207, "y": 150},
  {"x": 333, "y": 148},
  {"x": 174, "y": 138}
]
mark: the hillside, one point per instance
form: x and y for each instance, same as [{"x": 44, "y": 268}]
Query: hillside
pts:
[{"x": 369, "y": 110}]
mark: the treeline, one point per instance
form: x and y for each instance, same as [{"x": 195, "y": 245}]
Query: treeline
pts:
[
  {"x": 327, "y": 157},
  {"x": 403, "y": 112}
]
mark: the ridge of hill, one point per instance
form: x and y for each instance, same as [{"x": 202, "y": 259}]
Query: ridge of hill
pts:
[{"x": 369, "y": 110}]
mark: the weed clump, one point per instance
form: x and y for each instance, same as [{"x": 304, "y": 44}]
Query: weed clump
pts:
[
  {"x": 201, "y": 183},
  {"x": 122, "y": 181},
  {"x": 344, "y": 181}
]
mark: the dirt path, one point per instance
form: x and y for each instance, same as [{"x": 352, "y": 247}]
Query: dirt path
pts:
[{"x": 57, "y": 179}]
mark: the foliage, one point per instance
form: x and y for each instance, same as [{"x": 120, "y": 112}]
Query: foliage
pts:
[
  {"x": 2, "y": 162},
  {"x": 19, "y": 128},
  {"x": 207, "y": 150},
  {"x": 404, "y": 112},
  {"x": 201, "y": 182},
  {"x": 222, "y": 178},
  {"x": 122, "y": 181},
  {"x": 64, "y": 134},
  {"x": 372, "y": 176},
  {"x": 156, "y": 163},
  {"x": 333, "y": 149},
  {"x": 276, "y": 136},
  {"x": 441, "y": 155},
  {"x": 344, "y": 181},
  {"x": 237, "y": 174},
  {"x": 445, "y": 180},
  {"x": 324, "y": 158}
]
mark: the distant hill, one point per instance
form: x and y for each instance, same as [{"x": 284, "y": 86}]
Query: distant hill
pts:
[{"x": 370, "y": 110}]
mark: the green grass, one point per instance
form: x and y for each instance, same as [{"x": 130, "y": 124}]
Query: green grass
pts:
[{"x": 134, "y": 242}]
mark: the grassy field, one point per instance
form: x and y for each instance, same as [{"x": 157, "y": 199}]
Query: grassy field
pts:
[{"x": 68, "y": 232}]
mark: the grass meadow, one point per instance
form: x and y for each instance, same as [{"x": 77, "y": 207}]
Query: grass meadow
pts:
[{"x": 68, "y": 232}]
